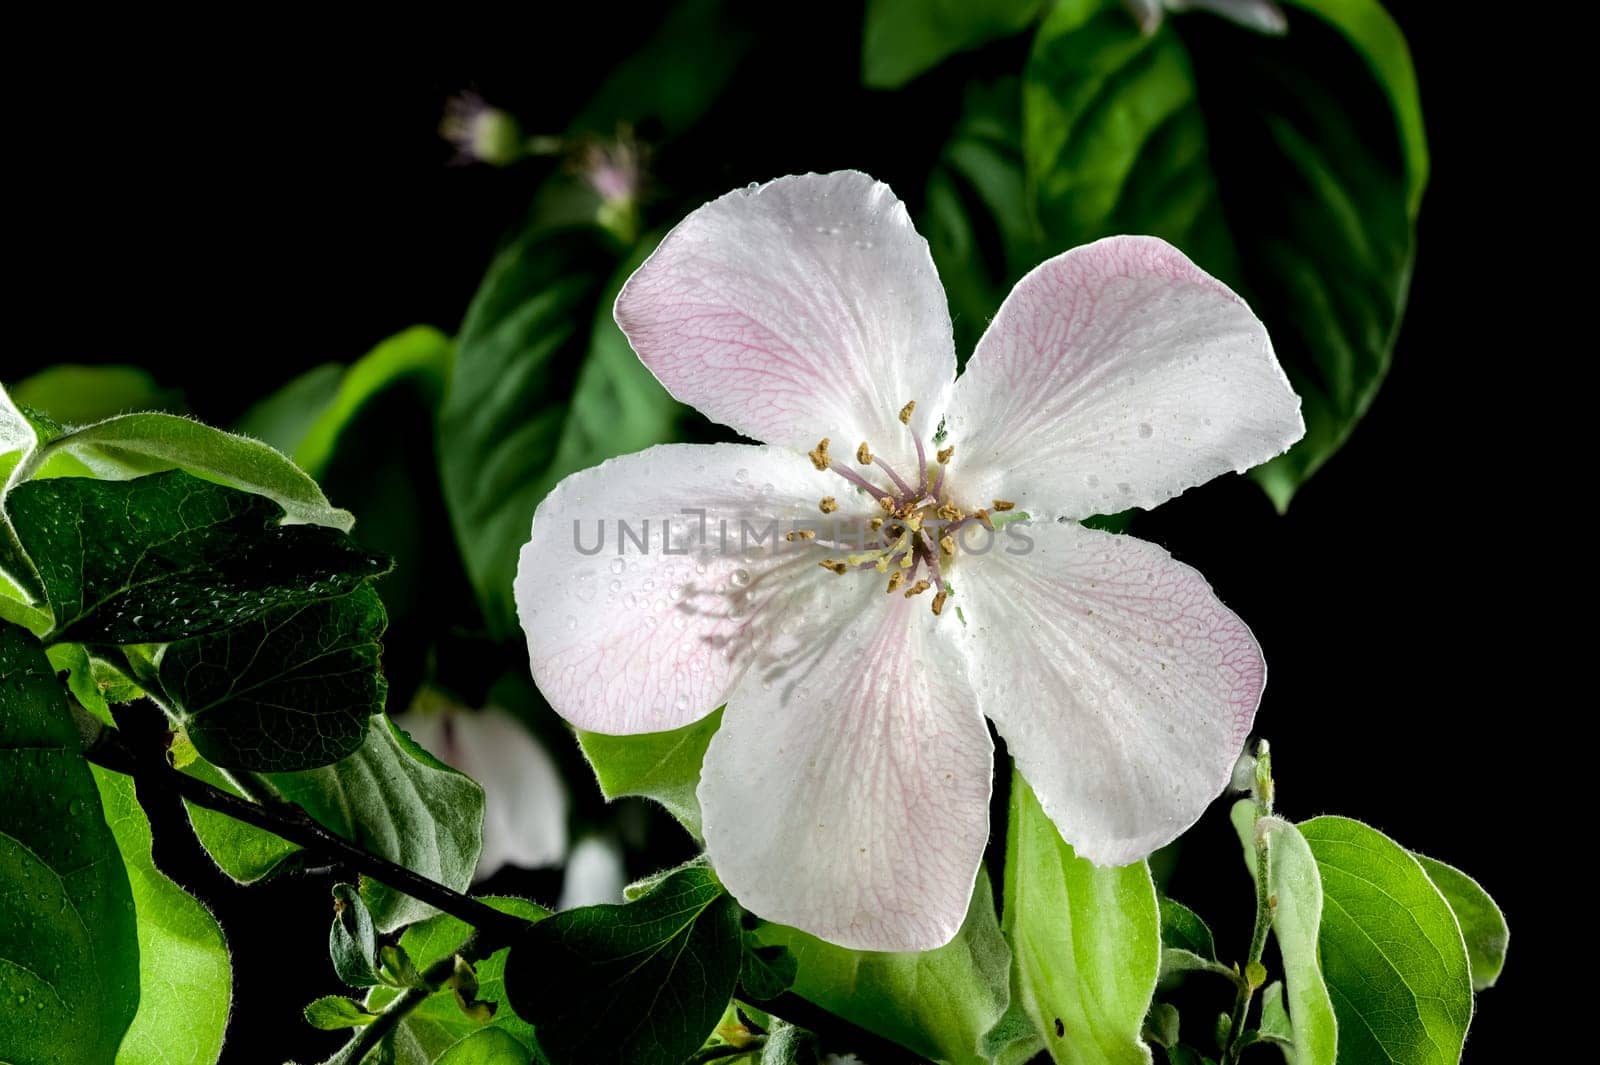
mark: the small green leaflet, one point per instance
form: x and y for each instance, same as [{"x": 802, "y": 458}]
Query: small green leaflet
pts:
[
  {"x": 352, "y": 941},
  {"x": 1483, "y": 926},
  {"x": 664, "y": 766}
]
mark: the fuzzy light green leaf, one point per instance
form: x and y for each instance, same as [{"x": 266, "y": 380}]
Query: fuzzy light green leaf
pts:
[
  {"x": 1296, "y": 920},
  {"x": 1087, "y": 941},
  {"x": 664, "y": 766}
]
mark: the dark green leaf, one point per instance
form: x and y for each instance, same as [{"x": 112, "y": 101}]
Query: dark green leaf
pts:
[
  {"x": 1087, "y": 940},
  {"x": 184, "y": 970},
  {"x": 766, "y": 971},
  {"x": 635, "y": 984},
  {"x": 904, "y": 38},
  {"x": 167, "y": 556},
  {"x": 1483, "y": 926},
  {"x": 390, "y": 796},
  {"x": 332, "y": 1012},
  {"x": 664, "y": 766},
  {"x": 1256, "y": 156},
  {"x": 282, "y": 419},
  {"x": 491, "y": 1046},
  {"x": 1182, "y": 927},
  {"x": 1392, "y": 953},
  {"x": 69, "y": 953},
  {"x": 352, "y": 941},
  {"x": 1161, "y": 1024},
  {"x": 438, "y": 1022},
  {"x": 889, "y": 993},
  {"x": 288, "y": 690}
]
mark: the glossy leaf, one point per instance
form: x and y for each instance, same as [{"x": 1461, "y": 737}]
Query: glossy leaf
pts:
[
  {"x": 69, "y": 953},
  {"x": 1087, "y": 941},
  {"x": 169, "y": 556},
  {"x": 390, "y": 796},
  {"x": 185, "y": 974},
  {"x": 1483, "y": 926},
  {"x": 1296, "y": 920},
  {"x": 1394, "y": 959},
  {"x": 940, "y": 1003},
  {"x": 904, "y": 38},
  {"x": 633, "y": 984},
  {"x": 439, "y": 1023},
  {"x": 288, "y": 690},
  {"x": 664, "y": 766}
]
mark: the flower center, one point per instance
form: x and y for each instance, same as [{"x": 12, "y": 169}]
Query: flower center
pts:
[{"x": 920, "y": 527}]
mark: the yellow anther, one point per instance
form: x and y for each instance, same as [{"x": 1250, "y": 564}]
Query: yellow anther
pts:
[
  {"x": 828, "y": 505},
  {"x": 801, "y": 534},
  {"x": 864, "y": 454},
  {"x": 864, "y": 557},
  {"x": 983, "y": 516},
  {"x": 819, "y": 457},
  {"x": 1003, "y": 504},
  {"x": 905, "y": 560},
  {"x": 943, "y": 456},
  {"x": 876, "y": 524},
  {"x": 947, "y": 544},
  {"x": 949, "y": 512},
  {"x": 905, "y": 412},
  {"x": 917, "y": 589},
  {"x": 938, "y": 602},
  {"x": 834, "y": 564},
  {"x": 887, "y": 503},
  {"x": 896, "y": 579}
]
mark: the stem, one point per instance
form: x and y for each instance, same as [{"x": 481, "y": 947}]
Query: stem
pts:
[
  {"x": 836, "y": 1033},
  {"x": 289, "y": 822},
  {"x": 1264, "y": 905},
  {"x": 476, "y": 948}
]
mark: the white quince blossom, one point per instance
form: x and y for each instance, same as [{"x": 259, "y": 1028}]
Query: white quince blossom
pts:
[
  {"x": 1262, "y": 16},
  {"x": 847, "y": 789},
  {"x": 595, "y": 874},
  {"x": 525, "y": 802}
]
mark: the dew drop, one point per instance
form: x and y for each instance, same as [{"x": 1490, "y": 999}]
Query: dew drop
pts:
[
  {"x": 1145, "y": 430},
  {"x": 617, "y": 565},
  {"x": 741, "y": 577},
  {"x": 742, "y": 476}
]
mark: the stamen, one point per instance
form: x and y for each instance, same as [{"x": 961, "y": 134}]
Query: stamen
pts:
[
  {"x": 864, "y": 454},
  {"x": 875, "y": 524},
  {"x": 887, "y": 503},
  {"x": 835, "y": 565},
  {"x": 938, "y": 602},
  {"x": 938, "y": 483},
  {"x": 828, "y": 505},
  {"x": 943, "y": 456},
  {"x": 917, "y": 589},
  {"x": 1003, "y": 504},
  {"x": 896, "y": 579},
  {"x": 950, "y": 512},
  {"x": 922, "y": 463},
  {"x": 819, "y": 457},
  {"x": 905, "y": 412},
  {"x": 801, "y": 534},
  {"x": 983, "y": 516},
  {"x": 905, "y": 489},
  {"x": 856, "y": 479},
  {"x": 947, "y": 544}
]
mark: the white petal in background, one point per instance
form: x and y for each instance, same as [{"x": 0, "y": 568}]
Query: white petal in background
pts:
[
  {"x": 525, "y": 814},
  {"x": 802, "y": 308},
  {"x": 595, "y": 874}
]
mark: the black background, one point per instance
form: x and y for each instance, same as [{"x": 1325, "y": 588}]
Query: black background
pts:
[{"x": 230, "y": 215}]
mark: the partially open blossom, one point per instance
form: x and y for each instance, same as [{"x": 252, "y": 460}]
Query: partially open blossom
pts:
[
  {"x": 481, "y": 133},
  {"x": 1263, "y": 16},
  {"x": 525, "y": 802},
  {"x": 920, "y": 564}
]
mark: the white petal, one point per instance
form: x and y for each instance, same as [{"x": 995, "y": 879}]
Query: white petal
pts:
[
  {"x": 625, "y": 640},
  {"x": 595, "y": 874},
  {"x": 525, "y": 812},
  {"x": 1117, "y": 375},
  {"x": 847, "y": 791},
  {"x": 803, "y": 308},
  {"x": 1260, "y": 15},
  {"x": 1123, "y": 687}
]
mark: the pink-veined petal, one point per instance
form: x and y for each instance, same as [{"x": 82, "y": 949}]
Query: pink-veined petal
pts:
[
  {"x": 847, "y": 791},
  {"x": 804, "y": 308},
  {"x": 525, "y": 801},
  {"x": 626, "y": 639},
  {"x": 1123, "y": 687},
  {"x": 1117, "y": 375}
]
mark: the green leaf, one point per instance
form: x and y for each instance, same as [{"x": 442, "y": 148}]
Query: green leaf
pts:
[
  {"x": 73, "y": 660},
  {"x": 185, "y": 976},
  {"x": 1087, "y": 941},
  {"x": 132, "y": 445},
  {"x": 491, "y": 1046},
  {"x": 1392, "y": 954},
  {"x": 506, "y": 407},
  {"x": 390, "y": 797},
  {"x": 282, "y": 419},
  {"x": 1296, "y": 886},
  {"x": 333, "y": 1012},
  {"x": 168, "y": 556},
  {"x": 1483, "y": 926},
  {"x": 76, "y": 395},
  {"x": 288, "y": 690},
  {"x": 352, "y": 942},
  {"x": 940, "y": 1003},
  {"x": 69, "y": 953},
  {"x": 766, "y": 971},
  {"x": 439, "y": 1023},
  {"x": 634, "y": 984},
  {"x": 1257, "y": 157},
  {"x": 1161, "y": 1024},
  {"x": 664, "y": 766},
  {"x": 1182, "y": 927},
  {"x": 904, "y": 38},
  {"x": 1275, "y": 1024}
]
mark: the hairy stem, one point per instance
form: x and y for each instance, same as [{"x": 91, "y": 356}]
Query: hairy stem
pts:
[
  {"x": 1263, "y": 795},
  {"x": 477, "y": 947}
]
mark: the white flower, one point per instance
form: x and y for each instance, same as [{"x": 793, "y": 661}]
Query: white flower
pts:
[
  {"x": 1262, "y": 16},
  {"x": 525, "y": 803},
  {"x": 847, "y": 790},
  {"x": 594, "y": 875}
]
